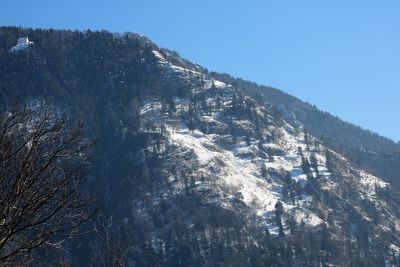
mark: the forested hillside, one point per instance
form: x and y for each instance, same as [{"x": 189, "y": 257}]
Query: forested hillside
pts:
[
  {"x": 376, "y": 153},
  {"x": 200, "y": 169}
]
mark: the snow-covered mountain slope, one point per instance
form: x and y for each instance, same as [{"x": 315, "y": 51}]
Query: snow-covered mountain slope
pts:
[
  {"x": 239, "y": 161},
  {"x": 196, "y": 169}
]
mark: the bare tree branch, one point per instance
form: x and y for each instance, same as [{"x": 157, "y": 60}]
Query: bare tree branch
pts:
[{"x": 43, "y": 163}]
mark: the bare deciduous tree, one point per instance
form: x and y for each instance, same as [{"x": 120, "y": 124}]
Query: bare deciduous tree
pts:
[
  {"x": 43, "y": 162},
  {"x": 109, "y": 247}
]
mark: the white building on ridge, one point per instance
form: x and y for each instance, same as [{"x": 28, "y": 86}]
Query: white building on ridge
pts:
[{"x": 22, "y": 44}]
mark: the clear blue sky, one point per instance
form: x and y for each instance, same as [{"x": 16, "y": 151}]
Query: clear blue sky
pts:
[{"x": 343, "y": 56}]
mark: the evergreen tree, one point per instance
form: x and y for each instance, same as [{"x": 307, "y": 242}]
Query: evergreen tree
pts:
[
  {"x": 248, "y": 140},
  {"x": 278, "y": 217},
  {"x": 306, "y": 140},
  {"x": 218, "y": 103},
  {"x": 329, "y": 161},
  {"x": 191, "y": 125},
  {"x": 305, "y": 165},
  {"x": 314, "y": 163},
  {"x": 263, "y": 171}
]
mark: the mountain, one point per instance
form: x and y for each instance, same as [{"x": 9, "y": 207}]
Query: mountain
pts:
[
  {"x": 203, "y": 169},
  {"x": 371, "y": 151}
]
